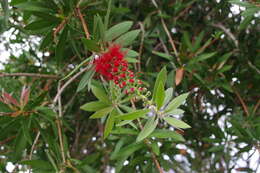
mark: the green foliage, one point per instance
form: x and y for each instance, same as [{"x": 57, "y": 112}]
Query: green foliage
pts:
[{"x": 199, "y": 69}]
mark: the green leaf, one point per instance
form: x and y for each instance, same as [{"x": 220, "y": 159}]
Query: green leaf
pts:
[
  {"x": 163, "y": 55},
  {"x": 117, "y": 30},
  {"x": 155, "y": 148},
  {"x": 175, "y": 112},
  {"x": 160, "y": 95},
  {"x": 85, "y": 80},
  {"x": 131, "y": 60},
  {"x": 202, "y": 57},
  {"x": 163, "y": 133},
  {"x": 93, "y": 106},
  {"x": 124, "y": 131},
  {"x": 61, "y": 45},
  {"x": 198, "y": 41},
  {"x": 216, "y": 149},
  {"x": 38, "y": 164},
  {"x": 168, "y": 95},
  {"x": 133, "y": 115},
  {"x": 46, "y": 41},
  {"x": 101, "y": 113},
  {"x": 20, "y": 145},
  {"x": 100, "y": 94},
  {"x": 186, "y": 39},
  {"x": 26, "y": 125},
  {"x": 162, "y": 76},
  {"x": 129, "y": 150},
  {"x": 245, "y": 22},
  {"x": 176, "y": 102},
  {"x": 176, "y": 123},
  {"x": 131, "y": 53},
  {"x": 127, "y": 38},
  {"x": 36, "y": 25},
  {"x": 34, "y": 6},
  {"x": 148, "y": 129},
  {"x": 110, "y": 123},
  {"x": 91, "y": 45}
]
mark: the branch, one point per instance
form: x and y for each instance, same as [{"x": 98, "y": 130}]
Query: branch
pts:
[
  {"x": 67, "y": 83},
  {"x": 167, "y": 33},
  {"x": 241, "y": 101},
  {"x": 34, "y": 143},
  {"x": 83, "y": 22},
  {"x": 29, "y": 75}
]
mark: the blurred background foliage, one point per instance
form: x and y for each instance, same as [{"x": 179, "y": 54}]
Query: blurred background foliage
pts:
[{"x": 211, "y": 48}]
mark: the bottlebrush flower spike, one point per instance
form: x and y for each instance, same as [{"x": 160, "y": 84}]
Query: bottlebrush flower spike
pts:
[{"x": 110, "y": 63}]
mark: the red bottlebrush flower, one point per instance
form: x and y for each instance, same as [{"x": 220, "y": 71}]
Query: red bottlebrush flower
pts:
[
  {"x": 131, "y": 80},
  {"x": 124, "y": 68},
  {"x": 132, "y": 89},
  {"x": 131, "y": 75},
  {"x": 124, "y": 83},
  {"x": 116, "y": 82},
  {"x": 126, "y": 91},
  {"x": 140, "y": 82},
  {"x": 115, "y": 69},
  {"x": 110, "y": 63},
  {"x": 123, "y": 75}
]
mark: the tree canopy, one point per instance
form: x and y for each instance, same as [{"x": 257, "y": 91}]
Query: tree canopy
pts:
[{"x": 130, "y": 86}]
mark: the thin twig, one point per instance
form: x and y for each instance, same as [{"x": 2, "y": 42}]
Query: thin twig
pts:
[
  {"x": 67, "y": 83},
  {"x": 167, "y": 33},
  {"x": 253, "y": 67},
  {"x": 141, "y": 46},
  {"x": 83, "y": 22},
  {"x": 29, "y": 75},
  {"x": 59, "y": 127},
  {"x": 241, "y": 101},
  {"x": 256, "y": 106},
  {"x": 34, "y": 144},
  {"x": 59, "y": 28}
]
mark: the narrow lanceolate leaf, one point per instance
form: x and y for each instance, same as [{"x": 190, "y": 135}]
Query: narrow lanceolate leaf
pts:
[
  {"x": 102, "y": 112},
  {"x": 34, "y": 6},
  {"x": 160, "y": 95},
  {"x": 100, "y": 94},
  {"x": 163, "y": 55},
  {"x": 202, "y": 57},
  {"x": 176, "y": 123},
  {"x": 117, "y": 30},
  {"x": 133, "y": 115},
  {"x": 39, "y": 24},
  {"x": 85, "y": 80},
  {"x": 61, "y": 45},
  {"x": 175, "y": 112},
  {"x": 162, "y": 76},
  {"x": 110, "y": 123},
  {"x": 128, "y": 150},
  {"x": 176, "y": 102},
  {"x": 91, "y": 45},
  {"x": 127, "y": 38},
  {"x": 163, "y": 133},
  {"x": 93, "y": 106},
  {"x": 168, "y": 95},
  {"x": 148, "y": 129}
]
